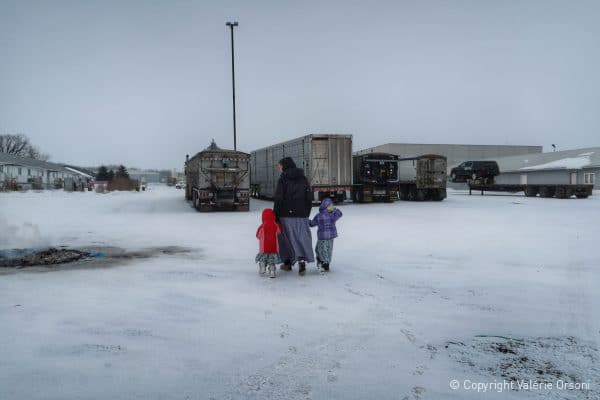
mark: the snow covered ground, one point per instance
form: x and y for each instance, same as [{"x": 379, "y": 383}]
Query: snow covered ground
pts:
[{"x": 474, "y": 289}]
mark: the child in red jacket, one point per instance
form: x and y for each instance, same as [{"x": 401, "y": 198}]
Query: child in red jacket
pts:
[{"x": 268, "y": 253}]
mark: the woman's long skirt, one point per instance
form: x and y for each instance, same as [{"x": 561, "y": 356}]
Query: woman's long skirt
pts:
[{"x": 295, "y": 241}]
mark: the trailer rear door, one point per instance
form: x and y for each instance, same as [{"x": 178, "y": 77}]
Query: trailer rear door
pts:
[{"x": 320, "y": 161}]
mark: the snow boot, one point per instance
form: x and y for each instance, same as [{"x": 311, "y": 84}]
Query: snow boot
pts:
[
  {"x": 301, "y": 268},
  {"x": 325, "y": 267},
  {"x": 262, "y": 268},
  {"x": 286, "y": 266},
  {"x": 272, "y": 269}
]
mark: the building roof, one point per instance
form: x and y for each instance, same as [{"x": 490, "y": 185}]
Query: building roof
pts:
[
  {"x": 78, "y": 172},
  {"x": 11, "y": 159},
  {"x": 558, "y": 160}
]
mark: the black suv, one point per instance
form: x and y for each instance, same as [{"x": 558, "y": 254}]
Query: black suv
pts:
[{"x": 474, "y": 170}]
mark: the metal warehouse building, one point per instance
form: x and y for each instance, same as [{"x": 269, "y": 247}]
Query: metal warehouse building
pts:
[
  {"x": 455, "y": 153},
  {"x": 576, "y": 167}
]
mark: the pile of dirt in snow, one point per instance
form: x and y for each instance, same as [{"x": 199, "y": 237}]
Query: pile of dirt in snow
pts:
[
  {"x": 103, "y": 255},
  {"x": 542, "y": 359},
  {"x": 51, "y": 256}
]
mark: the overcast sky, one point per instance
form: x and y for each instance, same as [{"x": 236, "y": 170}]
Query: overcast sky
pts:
[{"x": 145, "y": 82}]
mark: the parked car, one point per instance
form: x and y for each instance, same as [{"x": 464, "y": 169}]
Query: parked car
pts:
[{"x": 473, "y": 170}]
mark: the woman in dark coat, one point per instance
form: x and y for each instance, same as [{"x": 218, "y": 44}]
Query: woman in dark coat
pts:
[{"x": 293, "y": 201}]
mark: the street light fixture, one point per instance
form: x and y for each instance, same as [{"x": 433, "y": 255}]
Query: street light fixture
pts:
[{"x": 231, "y": 25}]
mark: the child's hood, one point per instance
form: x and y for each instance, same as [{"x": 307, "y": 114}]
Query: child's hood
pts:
[
  {"x": 326, "y": 202},
  {"x": 268, "y": 215}
]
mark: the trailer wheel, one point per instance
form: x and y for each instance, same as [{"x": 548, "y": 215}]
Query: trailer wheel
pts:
[
  {"x": 561, "y": 193},
  {"x": 530, "y": 191},
  {"x": 438, "y": 195},
  {"x": 546, "y": 192},
  {"x": 360, "y": 196},
  {"x": 412, "y": 194}
]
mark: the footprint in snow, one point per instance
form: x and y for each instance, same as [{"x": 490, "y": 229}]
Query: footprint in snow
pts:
[{"x": 411, "y": 338}]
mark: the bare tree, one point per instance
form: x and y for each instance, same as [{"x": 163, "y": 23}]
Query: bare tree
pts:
[{"x": 19, "y": 145}]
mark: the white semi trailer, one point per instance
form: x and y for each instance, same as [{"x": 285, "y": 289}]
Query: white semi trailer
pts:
[{"x": 325, "y": 158}]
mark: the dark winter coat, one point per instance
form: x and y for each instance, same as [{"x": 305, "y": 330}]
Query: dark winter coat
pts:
[
  {"x": 267, "y": 233},
  {"x": 325, "y": 220},
  {"x": 293, "y": 195}
]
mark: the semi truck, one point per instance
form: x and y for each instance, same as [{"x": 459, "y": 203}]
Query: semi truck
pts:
[
  {"x": 422, "y": 178},
  {"x": 325, "y": 158},
  {"x": 375, "y": 177},
  {"x": 218, "y": 179}
]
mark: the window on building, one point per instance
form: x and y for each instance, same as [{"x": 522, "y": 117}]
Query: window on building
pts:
[
  {"x": 589, "y": 178},
  {"x": 28, "y": 172},
  {"x": 1, "y": 168},
  {"x": 19, "y": 170}
]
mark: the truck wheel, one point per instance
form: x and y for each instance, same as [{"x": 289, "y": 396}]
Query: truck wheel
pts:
[
  {"x": 403, "y": 194},
  {"x": 582, "y": 196},
  {"x": 546, "y": 192},
  {"x": 421, "y": 194},
  {"x": 438, "y": 195},
  {"x": 412, "y": 194},
  {"x": 560, "y": 192},
  {"x": 530, "y": 191}
]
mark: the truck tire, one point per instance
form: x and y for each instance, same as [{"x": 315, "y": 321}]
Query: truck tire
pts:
[
  {"x": 530, "y": 191},
  {"x": 438, "y": 195},
  {"x": 421, "y": 194},
  {"x": 403, "y": 193},
  {"x": 561, "y": 192},
  {"x": 582, "y": 195},
  {"x": 412, "y": 194},
  {"x": 359, "y": 196},
  {"x": 546, "y": 192}
]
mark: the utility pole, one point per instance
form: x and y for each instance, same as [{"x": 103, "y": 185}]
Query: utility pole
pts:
[{"x": 231, "y": 25}]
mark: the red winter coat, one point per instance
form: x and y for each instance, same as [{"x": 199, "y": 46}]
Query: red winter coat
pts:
[{"x": 267, "y": 232}]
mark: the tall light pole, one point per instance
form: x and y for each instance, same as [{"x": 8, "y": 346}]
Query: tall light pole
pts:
[{"x": 231, "y": 25}]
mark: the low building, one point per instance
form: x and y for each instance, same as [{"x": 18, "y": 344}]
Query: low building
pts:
[
  {"x": 29, "y": 173},
  {"x": 454, "y": 153},
  {"x": 579, "y": 166}
]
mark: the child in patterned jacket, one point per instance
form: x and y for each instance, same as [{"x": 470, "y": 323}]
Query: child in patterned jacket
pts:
[{"x": 327, "y": 231}]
